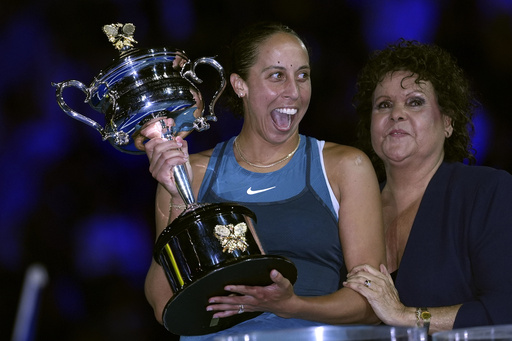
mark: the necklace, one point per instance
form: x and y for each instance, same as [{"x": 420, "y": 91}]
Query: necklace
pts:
[{"x": 263, "y": 166}]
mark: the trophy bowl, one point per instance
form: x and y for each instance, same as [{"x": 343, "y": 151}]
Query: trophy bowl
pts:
[
  {"x": 140, "y": 85},
  {"x": 208, "y": 245}
]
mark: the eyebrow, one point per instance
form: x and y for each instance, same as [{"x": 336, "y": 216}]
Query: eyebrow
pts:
[
  {"x": 414, "y": 92},
  {"x": 417, "y": 91},
  {"x": 279, "y": 67}
]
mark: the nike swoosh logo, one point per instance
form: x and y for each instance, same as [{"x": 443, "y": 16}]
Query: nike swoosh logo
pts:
[{"x": 251, "y": 192}]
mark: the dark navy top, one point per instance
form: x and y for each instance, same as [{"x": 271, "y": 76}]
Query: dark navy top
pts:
[
  {"x": 295, "y": 216},
  {"x": 460, "y": 246}
]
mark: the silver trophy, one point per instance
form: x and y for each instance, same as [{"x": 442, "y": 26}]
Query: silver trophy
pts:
[
  {"x": 140, "y": 85},
  {"x": 209, "y": 245}
]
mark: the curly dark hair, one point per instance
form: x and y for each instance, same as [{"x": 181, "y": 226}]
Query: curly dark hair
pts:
[
  {"x": 243, "y": 52},
  {"x": 427, "y": 62}
]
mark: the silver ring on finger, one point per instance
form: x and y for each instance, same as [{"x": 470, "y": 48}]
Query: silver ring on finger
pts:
[
  {"x": 240, "y": 308},
  {"x": 367, "y": 283}
]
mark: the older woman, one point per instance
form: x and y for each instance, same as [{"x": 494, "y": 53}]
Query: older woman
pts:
[{"x": 448, "y": 225}]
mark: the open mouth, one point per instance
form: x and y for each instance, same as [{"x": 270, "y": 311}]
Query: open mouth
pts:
[{"x": 283, "y": 117}]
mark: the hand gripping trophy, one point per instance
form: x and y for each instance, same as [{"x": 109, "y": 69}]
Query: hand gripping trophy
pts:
[{"x": 209, "y": 245}]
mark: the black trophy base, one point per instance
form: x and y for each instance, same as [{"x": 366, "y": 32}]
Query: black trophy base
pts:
[{"x": 185, "y": 313}]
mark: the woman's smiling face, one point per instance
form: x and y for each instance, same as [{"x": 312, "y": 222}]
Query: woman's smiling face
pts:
[
  {"x": 277, "y": 90},
  {"x": 407, "y": 123}
]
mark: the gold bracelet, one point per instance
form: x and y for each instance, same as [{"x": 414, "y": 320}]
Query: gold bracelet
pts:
[{"x": 177, "y": 206}]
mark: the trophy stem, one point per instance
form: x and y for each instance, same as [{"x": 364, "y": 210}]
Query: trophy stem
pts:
[
  {"x": 183, "y": 184},
  {"x": 179, "y": 172}
]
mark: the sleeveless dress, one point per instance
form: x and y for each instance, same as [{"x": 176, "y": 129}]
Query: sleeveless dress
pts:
[{"x": 296, "y": 216}]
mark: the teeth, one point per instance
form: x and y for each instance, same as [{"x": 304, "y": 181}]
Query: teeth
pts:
[{"x": 287, "y": 111}]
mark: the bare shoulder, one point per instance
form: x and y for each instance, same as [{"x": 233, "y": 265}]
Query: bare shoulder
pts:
[
  {"x": 348, "y": 168},
  {"x": 341, "y": 157}
]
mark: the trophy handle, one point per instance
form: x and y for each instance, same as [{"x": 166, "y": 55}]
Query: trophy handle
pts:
[
  {"x": 77, "y": 116},
  {"x": 200, "y": 123}
]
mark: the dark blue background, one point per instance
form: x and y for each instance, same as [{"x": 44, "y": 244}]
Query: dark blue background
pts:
[{"x": 74, "y": 204}]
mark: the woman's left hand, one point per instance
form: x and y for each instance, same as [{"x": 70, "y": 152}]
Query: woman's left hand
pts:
[
  {"x": 379, "y": 289},
  {"x": 276, "y": 298}
]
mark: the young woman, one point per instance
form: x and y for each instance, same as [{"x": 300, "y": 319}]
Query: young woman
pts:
[{"x": 317, "y": 203}]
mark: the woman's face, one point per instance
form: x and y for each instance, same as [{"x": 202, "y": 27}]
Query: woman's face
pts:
[
  {"x": 407, "y": 123},
  {"x": 277, "y": 90}
]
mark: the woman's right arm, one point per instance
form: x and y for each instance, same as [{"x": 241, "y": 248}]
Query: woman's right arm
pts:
[
  {"x": 156, "y": 287},
  {"x": 163, "y": 155}
]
